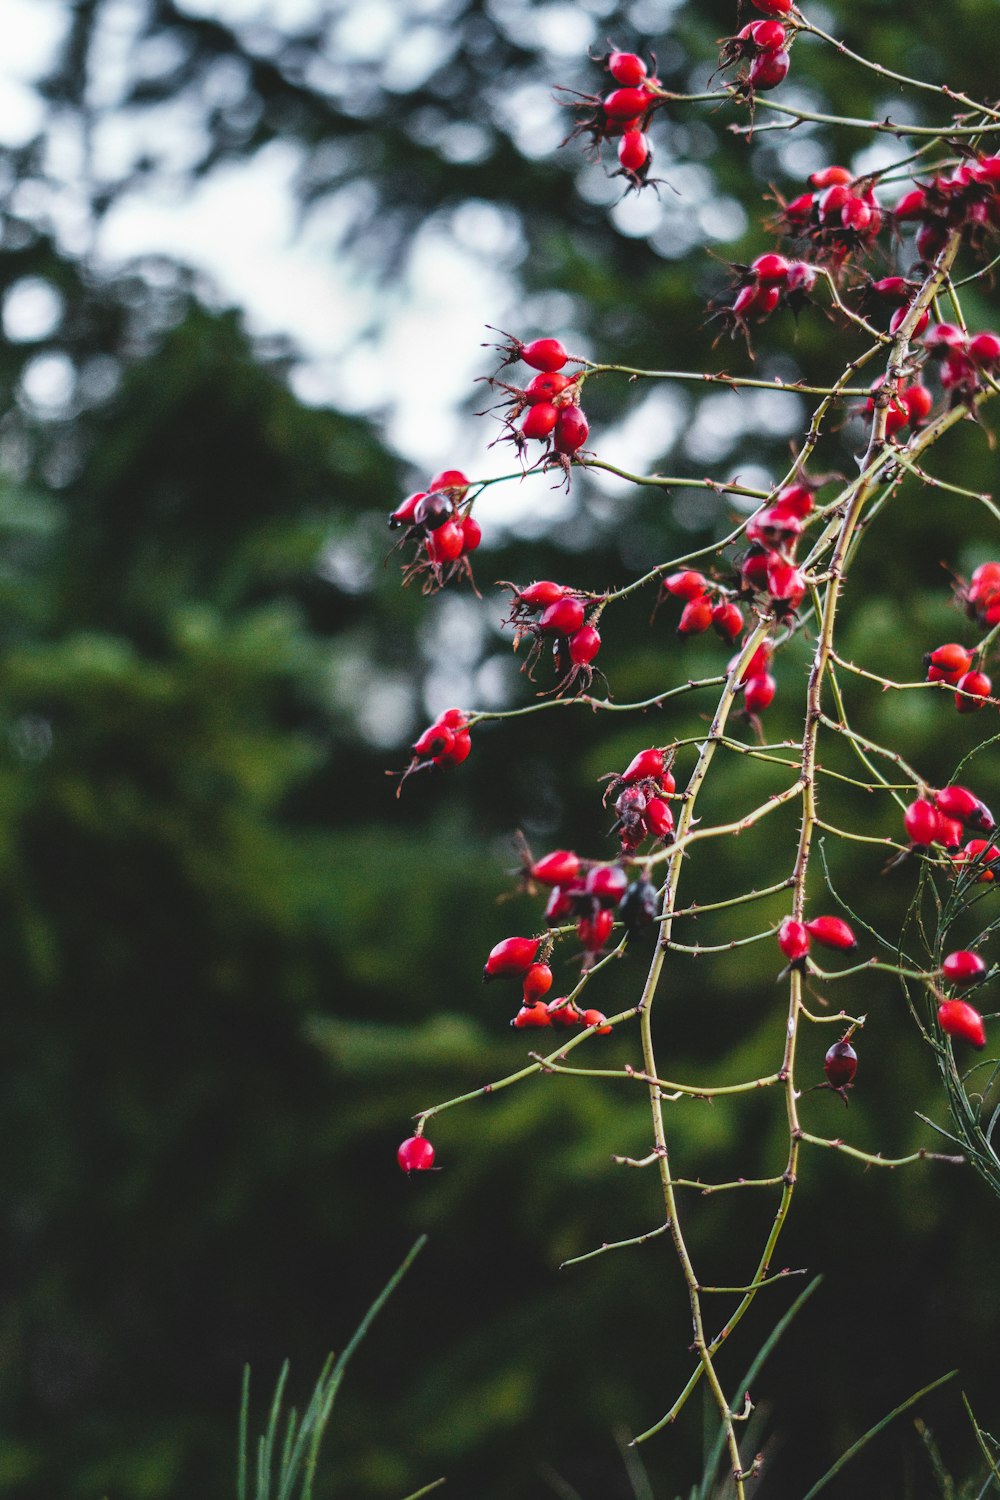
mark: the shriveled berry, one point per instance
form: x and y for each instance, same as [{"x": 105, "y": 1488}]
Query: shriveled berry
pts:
[
  {"x": 963, "y": 967},
  {"x": 514, "y": 955},
  {"x": 958, "y": 1018},
  {"x": 793, "y": 940},
  {"x": 639, "y": 906},
  {"x": 416, "y": 1154},
  {"x": 840, "y": 1065},
  {"x": 832, "y": 932}
]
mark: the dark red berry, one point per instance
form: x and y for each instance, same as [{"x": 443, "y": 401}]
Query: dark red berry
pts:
[{"x": 840, "y": 1065}]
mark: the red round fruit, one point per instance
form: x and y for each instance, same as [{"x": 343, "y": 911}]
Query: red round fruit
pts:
[
  {"x": 984, "y": 350},
  {"x": 793, "y": 940},
  {"x": 759, "y": 693},
  {"x": 770, "y": 267},
  {"x": 958, "y": 802},
  {"x": 537, "y": 982},
  {"x": 584, "y": 645},
  {"x": 557, "y": 868},
  {"x": 540, "y": 595},
  {"x": 774, "y": 7},
  {"x": 564, "y": 617},
  {"x": 438, "y": 738},
  {"x": 416, "y": 1154},
  {"x": 947, "y": 663},
  {"x": 544, "y": 354},
  {"x": 594, "y": 931},
  {"x": 472, "y": 533},
  {"x": 840, "y": 1065},
  {"x": 512, "y": 956},
  {"x": 727, "y": 619},
  {"x": 446, "y": 543},
  {"x": 572, "y": 430},
  {"x": 459, "y": 750},
  {"x": 598, "y": 1020},
  {"x": 832, "y": 932},
  {"x": 686, "y": 585},
  {"x": 658, "y": 818},
  {"x": 532, "y": 1015},
  {"x": 453, "y": 482},
  {"x": 627, "y": 69},
  {"x": 545, "y": 387},
  {"x": 767, "y": 35},
  {"x": 977, "y": 686},
  {"x": 633, "y": 150},
  {"x": 648, "y": 763},
  {"x": 607, "y": 884},
  {"x": 959, "y": 1019},
  {"x": 540, "y": 420},
  {"x": 921, "y": 823},
  {"x": 769, "y": 68},
  {"x": 696, "y": 616},
  {"x": 963, "y": 967},
  {"x": 627, "y": 103}
]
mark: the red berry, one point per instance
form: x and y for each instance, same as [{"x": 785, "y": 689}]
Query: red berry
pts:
[
  {"x": 403, "y": 514},
  {"x": 840, "y": 1065},
  {"x": 958, "y": 802},
  {"x": 627, "y": 104},
  {"x": 540, "y": 420},
  {"x": 950, "y": 833},
  {"x": 594, "y": 931},
  {"x": 557, "y": 868},
  {"x": 541, "y": 595},
  {"x": 648, "y": 763},
  {"x": 446, "y": 543},
  {"x": 963, "y": 967},
  {"x": 597, "y": 1019},
  {"x": 918, "y": 402},
  {"x": 532, "y": 1015},
  {"x": 774, "y": 7},
  {"x": 416, "y": 1154},
  {"x": 796, "y": 499},
  {"x": 793, "y": 940},
  {"x": 959, "y": 1019},
  {"x": 759, "y": 693},
  {"x": 563, "y": 1013},
  {"x": 545, "y": 387},
  {"x": 767, "y": 35},
  {"x": 896, "y": 321},
  {"x": 770, "y": 267},
  {"x": 912, "y": 205},
  {"x": 572, "y": 430},
  {"x": 727, "y": 619},
  {"x": 537, "y": 982},
  {"x": 801, "y": 277},
  {"x": 459, "y": 750},
  {"x": 658, "y": 818},
  {"x": 564, "y": 617},
  {"x": 786, "y": 584},
  {"x": 921, "y": 823},
  {"x": 978, "y": 686},
  {"x": 433, "y": 741},
  {"x": 584, "y": 645},
  {"x": 984, "y": 351},
  {"x": 769, "y": 68},
  {"x": 607, "y": 884},
  {"x": 831, "y": 177},
  {"x": 514, "y": 955},
  {"x": 453, "y": 482},
  {"x": 472, "y": 533},
  {"x": 696, "y": 616},
  {"x": 633, "y": 150},
  {"x": 686, "y": 585},
  {"x": 544, "y": 354},
  {"x": 832, "y": 932},
  {"x": 947, "y": 663},
  {"x": 627, "y": 69}
]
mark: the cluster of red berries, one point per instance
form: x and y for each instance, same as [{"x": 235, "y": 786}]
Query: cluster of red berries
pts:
[
  {"x": 764, "y": 46},
  {"x": 957, "y": 1018},
  {"x": 550, "y": 402},
  {"x": 981, "y": 595},
  {"x": 962, "y": 359},
  {"x": 768, "y": 565},
  {"x": 517, "y": 958},
  {"x": 909, "y": 405},
  {"x": 944, "y": 818},
  {"x": 700, "y": 609},
  {"x": 771, "y": 280},
  {"x": 952, "y": 663},
  {"x": 796, "y": 938},
  {"x": 444, "y": 532},
  {"x": 641, "y": 793},
  {"x": 839, "y": 216},
  {"x": 625, "y": 112},
  {"x": 968, "y": 198},
  {"x": 447, "y": 742},
  {"x": 551, "y": 612}
]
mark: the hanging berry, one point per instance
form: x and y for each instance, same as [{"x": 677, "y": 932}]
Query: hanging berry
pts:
[{"x": 416, "y": 1154}]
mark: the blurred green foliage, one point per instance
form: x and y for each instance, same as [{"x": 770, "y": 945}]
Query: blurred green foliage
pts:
[{"x": 235, "y": 964}]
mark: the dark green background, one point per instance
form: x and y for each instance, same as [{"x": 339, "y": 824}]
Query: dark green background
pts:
[{"x": 234, "y": 965}]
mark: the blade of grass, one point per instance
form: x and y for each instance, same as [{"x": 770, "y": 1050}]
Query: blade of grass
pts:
[
  {"x": 712, "y": 1461},
  {"x": 873, "y": 1432},
  {"x": 981, "y": 1440},
  {"x": 435, "y": 1484},
  {"x": 241, "y": 1441}
]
